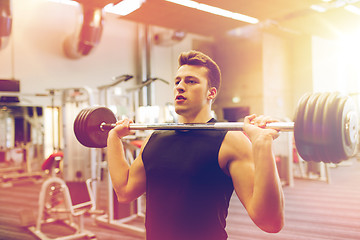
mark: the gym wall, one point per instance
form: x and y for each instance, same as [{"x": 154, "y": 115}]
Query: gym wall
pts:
[{"x": 35, "y": 56}]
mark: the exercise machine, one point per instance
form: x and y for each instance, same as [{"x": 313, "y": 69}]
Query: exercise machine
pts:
[
  {"x": 131, "y": 220},
  {"x": 60, "y": 203}
]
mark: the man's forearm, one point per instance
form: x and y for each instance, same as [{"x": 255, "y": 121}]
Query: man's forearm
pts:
[{"x": 268, "y": 194}]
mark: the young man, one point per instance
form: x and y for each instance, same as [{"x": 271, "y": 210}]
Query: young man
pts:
[{"x": 189, "y": 176}]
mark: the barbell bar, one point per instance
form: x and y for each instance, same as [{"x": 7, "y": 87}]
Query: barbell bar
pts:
[
  {"x": 325, "y": 126},
  {"x": 230, "y": 126}
]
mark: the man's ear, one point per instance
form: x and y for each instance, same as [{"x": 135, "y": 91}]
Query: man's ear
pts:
[{"x": 212, "y": 92}]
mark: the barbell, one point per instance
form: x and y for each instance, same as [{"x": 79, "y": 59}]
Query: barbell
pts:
[{"x": 325, "y": 127}]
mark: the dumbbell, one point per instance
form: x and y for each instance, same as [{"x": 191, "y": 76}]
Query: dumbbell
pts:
[{"x": 325, "y": 127}]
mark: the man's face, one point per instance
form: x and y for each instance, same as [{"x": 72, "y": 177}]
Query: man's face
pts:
[{"x": 190, "y": 90}]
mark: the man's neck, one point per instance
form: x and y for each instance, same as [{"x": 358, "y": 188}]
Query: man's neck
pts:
[{"x": 201, "y": 117}]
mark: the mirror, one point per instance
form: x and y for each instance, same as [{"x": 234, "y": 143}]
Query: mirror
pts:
[{"x": 22, "y": 138}]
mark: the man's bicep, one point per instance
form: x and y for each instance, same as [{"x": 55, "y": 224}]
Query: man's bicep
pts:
[
  {"x": 137, "y": 175},
  {"x": 242, "y": 175}
]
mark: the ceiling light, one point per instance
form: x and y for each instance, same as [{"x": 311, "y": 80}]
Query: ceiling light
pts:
[
  {"x": 215, "y": 10},
  {"x": 236, "y": 99},
  {"x": 125, "y": 7},
  {"x": 353, "y": 9},
  {"x": 67, "y": 2},
  {"x": 318, "y": 8}
]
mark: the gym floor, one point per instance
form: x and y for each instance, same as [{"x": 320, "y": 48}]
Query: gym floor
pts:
[{"x": 315, "y": 210}]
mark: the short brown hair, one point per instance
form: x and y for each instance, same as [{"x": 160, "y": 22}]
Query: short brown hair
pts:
[{"x": 197, "y": 58}]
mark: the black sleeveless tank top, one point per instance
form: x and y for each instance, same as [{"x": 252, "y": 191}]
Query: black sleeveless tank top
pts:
[{"x": 187, "y": 193}]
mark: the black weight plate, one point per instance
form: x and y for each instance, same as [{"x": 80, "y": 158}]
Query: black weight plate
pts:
[
  {"x": 80, "y": 130},
  {"x": 98, "y": 137},
  {"x": 84, "y": 137},
  {"x": 85, "y": 133},
  {"x": 87, "y": 141},
  {"x": 338, "y": 148},
  {"x": 299, "y": 115},
  {"x": 337, "y": 129},
  {"x": 335, "y": 126},
  {"x": 299, "y": 126},
  {"x": 308, "y": 140},
  {"x": 318, "y": 140},
  {"x": 351, "y": 138},
  {"x": 354, "y": 129},
  {"x": 331, "y": 126},
  {"x": 77, "y": 126},
  {"x": 328, "y": 127},
  {"x": 346, "y": 150}
]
